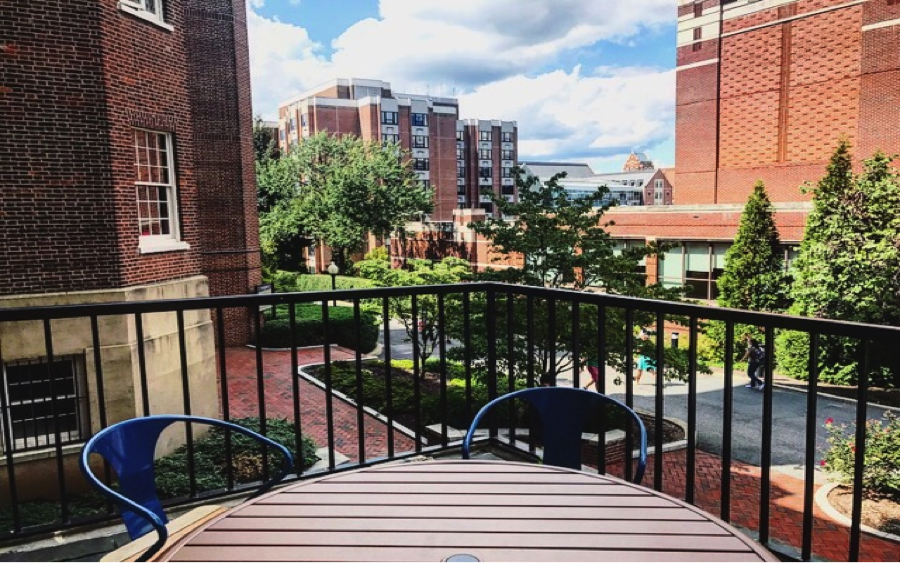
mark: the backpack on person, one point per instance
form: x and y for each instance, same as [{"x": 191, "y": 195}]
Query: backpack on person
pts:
[{"x": 758, "y": 354}]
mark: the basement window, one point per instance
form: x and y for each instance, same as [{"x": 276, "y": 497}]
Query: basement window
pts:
[{"x": 43, "y": 403}]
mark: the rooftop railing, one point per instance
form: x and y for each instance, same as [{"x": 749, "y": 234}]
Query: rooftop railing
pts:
[{"x": 71, "y": 370}]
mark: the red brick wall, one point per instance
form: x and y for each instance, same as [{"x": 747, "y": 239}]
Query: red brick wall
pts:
[
  {"x": 442, "y": 151},
  {"x": 698, "y": 225},
  {"x": 335, "y": 119},
  {"x": 78, "y": 78},
  {"x": 47, "y": 244},
  {"x": 789, "y": 91}
]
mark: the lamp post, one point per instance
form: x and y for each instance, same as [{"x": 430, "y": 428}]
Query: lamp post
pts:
[
  {"x": 674, "y": 340},
  {"x": 333, "y": 271}
]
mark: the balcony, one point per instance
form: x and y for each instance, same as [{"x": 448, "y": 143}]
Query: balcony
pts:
[{"x": 170, "y": 356}]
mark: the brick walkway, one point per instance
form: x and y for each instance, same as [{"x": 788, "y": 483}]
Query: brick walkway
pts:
[
  {"x": 830, "y": 540},
  {"x": 240, "y": 366}
]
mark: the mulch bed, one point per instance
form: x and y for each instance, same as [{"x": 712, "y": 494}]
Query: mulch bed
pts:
[
  {"x": 876, "y": 395},
  {"x": 431, "y": 384},
  {"x": 882, "y": 514}
]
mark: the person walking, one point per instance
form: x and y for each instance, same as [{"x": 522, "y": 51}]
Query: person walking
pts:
[
  {"x": 644, "y": 362},
  {"x": 593, "y": 367},
  {"x": 753, "y": 355}
]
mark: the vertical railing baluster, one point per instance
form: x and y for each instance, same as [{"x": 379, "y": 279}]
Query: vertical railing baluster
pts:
[
  {"x": 727, "y": 414},
  {"x": 809, "y": 470},
  {"x": 360, "y": 407},
  {"x": 467, "y": 352},
  {"x": 529, "y": 365},
  {"x": 417, "y": 385},
  {"x": 576, "y": 344},
  {"x": 60, "y": 465},
  {"x": 510, "y": 365},
  {"x": 329, "y": 397},
  {"x": 9, "y": 448},
  {"x": 186, "y": 401},
  {"x": 601, "y": 385},
  {"x": 692, "y": 411},
  {"x": 142, "y": 362},
  {"x": 660, "y": 406},
  {"x": 551, "y": 343},
  {"x": 295, "y": 385},
  {"x": 492, "y": 354},
  {"x": 223, "y": 385},
  {"x": 862, "y": 403},
  {"x": 442, "y": 351},
  {"x": 101, "y": 400},
  {"x": 766, "y": 454},
  {"x": 629, "y": 389},
  {"x": 388, "y": 376}
]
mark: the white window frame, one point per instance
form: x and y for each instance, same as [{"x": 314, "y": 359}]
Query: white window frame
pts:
[
  {"x": 149, "y": 10},
  {"x": 172, "y": 240},
  {"x": 31, "y": 443}
]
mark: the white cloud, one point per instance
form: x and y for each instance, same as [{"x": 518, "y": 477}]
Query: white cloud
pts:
[
  {"x": 486, "y": 54},
  {"x": 565, "y": 115}
]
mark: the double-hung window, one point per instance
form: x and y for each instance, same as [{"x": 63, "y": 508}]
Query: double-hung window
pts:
[
  {"x": 154, "y": 163},
  {"x": 419, "y": 119},
  {"x": 484, "y": 154},
  {"x": 151, "y": 10},
  {"x": 420, "y": 141},
  {"x": 484, "y": 135},
  {"x": 41, "y": 401},
  {"x": 389, "y": 117},
  {"x": 506, "y": 155},
  {"x": 506, "y": 137},
  {"x": 485, "y": 172},
  {"x": 420, "y": 164}
]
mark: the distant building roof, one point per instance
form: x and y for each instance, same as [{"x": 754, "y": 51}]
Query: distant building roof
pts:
[
  {"x": 624, "y": 177},
  {"x": 545, "y": 170}
]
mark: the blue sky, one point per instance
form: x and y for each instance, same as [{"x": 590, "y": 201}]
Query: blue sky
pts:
[{"x": 586, "y": 80}]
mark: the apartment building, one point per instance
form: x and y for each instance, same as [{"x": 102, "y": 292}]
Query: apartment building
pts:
[
  {"x": 764, "y": 90},
  {"x": 455, "y": 158}
]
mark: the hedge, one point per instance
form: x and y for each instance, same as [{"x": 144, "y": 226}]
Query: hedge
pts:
[
  {"x": 292, "y": 281},
  {"x": 310, "y": 332}
]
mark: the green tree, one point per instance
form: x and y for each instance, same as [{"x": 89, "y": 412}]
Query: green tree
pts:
[
  {"x": 754, "y": 278},
  {"x": 281, "y": 230},
  {"x": 336, "y": 189},
  {"x": 264, "y": 143},
  {"x": 847, "y": 268},
  {"x": 559, "y": 242},
  {"x": 425, "y": 328}
]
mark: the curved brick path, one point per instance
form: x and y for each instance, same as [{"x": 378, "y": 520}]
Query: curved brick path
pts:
[{"x": 830, "y": 540}]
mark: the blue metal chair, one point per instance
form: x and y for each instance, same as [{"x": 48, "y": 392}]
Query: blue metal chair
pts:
[
  {"x": 563, "y": 412},
  {"x": 129, "y": 448}
]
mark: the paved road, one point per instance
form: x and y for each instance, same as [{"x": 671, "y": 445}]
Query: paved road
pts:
[{"x": 788, "y": 407}]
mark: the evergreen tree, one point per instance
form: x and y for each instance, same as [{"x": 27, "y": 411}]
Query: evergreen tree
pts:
[
  {"x": 847, "y": 268},
  {"x": 754, "y": 277}
]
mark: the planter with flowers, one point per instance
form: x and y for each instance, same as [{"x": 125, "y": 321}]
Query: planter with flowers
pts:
[{"x": 880, "y": 478}]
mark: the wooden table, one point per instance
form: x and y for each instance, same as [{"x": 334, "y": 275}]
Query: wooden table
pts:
[{"x": 491, "y": 510}]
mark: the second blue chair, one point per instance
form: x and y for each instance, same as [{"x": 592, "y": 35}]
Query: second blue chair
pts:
[
  {"x": 563, "y": 412},
  {"x": 129, "y": 447}
]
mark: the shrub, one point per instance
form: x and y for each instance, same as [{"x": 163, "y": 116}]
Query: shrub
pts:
[
  {"x": 322, "y": 282},
  {"x": 172, "y": 472},
  {"x": 881, "y": 465},
  {"x": 210, "y": 461},
  {"x": 310, "y": 332}
]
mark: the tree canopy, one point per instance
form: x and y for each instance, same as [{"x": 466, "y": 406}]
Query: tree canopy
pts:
[
  {"x": 847, "y": 267},
  {"x": 754, "y": 277},
  {"x": 336, "y": 189}
]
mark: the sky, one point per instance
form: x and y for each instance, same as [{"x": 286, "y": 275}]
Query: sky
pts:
[{"x": 586, "y": 80}]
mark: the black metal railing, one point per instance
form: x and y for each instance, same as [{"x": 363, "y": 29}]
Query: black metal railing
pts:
[{"x": 502, "y": 336}]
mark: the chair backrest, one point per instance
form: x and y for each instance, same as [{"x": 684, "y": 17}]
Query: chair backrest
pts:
[
  {"x": 563, "y": 412},
  {"x": 129, "y": 447}
]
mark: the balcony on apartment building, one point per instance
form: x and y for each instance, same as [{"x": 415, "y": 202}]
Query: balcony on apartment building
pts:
[{"x": 719, "y": 450}]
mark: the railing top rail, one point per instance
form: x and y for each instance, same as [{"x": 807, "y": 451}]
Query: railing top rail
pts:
[{"x": 821, "y": 326}]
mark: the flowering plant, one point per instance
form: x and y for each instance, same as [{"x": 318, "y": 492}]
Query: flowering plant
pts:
[{"x": 881, "y": 467}]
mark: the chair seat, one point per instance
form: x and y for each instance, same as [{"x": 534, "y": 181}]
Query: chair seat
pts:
[{"x": 178, "y": 528}]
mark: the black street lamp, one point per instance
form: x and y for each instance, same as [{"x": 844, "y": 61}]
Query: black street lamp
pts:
[
  {"x": 674, "y": 340},
  {"x": 333, "y": 270}
]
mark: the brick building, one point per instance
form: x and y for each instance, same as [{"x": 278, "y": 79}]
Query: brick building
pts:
[
  {"x": 128, "y": 174},
  {"x": 456, "y": 158},
  {"x": 764, "y": 91}
]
